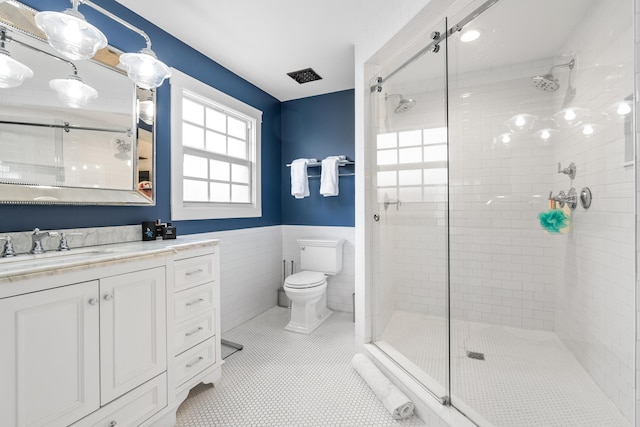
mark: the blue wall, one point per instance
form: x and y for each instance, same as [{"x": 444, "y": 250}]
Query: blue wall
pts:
[{"x": 317, "y": 127}]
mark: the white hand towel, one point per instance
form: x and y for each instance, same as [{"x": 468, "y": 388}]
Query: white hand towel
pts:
[
  {"x": 329, "y": 177},
  {"x": 299, "y": 178}
]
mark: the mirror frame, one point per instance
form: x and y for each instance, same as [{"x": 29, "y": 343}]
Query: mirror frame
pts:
[{"x": 31, "y": 194}]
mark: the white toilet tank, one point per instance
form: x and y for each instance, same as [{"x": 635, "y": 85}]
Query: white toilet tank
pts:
[{"x": 324, "y": 256}]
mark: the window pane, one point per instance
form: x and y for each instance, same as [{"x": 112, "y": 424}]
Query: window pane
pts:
[
  {"x": 410, "y": 155},
  {"x": 219, "y": 192},
  {"x": 388, "y": 157},
  {"x": 387, "y": 140},
  {"x": 216, "y": 142},
  {"x": 194, "y": 191},
  {"x": 435, "y": 176},
  {"x": 192, "y": 136},
  {"x": 195, "y": 167},
  {"x": 216, "y": 120},
  {"x": 240, "y": 173},
  {"x": 237, "y": 128},
  {"x": 387, "y": 178},
  {"x": 410, "y": 177},
  {"x": 219, "y": 170},
  {"x": 410, "y": 138},
  {"x": 237, "y": 148},
  {"x": 435, "y": 135},
  {"x": 239, "y": 193},
  {"x": 192, "y": 111},
  {"x": 435, "y": 153}
]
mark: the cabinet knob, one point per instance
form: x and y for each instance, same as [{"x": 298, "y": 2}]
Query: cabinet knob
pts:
[
  {"x": 93, "y": 301},
  {"x": 108, "y": 297}
]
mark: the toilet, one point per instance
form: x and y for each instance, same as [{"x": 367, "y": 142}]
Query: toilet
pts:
[{"x": 307, "y": 289}]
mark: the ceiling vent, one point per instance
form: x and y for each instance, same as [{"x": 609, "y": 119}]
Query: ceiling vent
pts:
[{"x": 304, "y": 76}]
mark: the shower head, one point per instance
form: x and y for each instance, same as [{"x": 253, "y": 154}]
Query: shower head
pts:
[
  {"x": 548, "y": 82},
  {"x": 404, "y": 105}
]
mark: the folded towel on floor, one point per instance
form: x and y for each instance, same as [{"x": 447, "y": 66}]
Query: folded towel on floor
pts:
[
  {"x": 299, "y": 178},
  {"x": 391, "y": 397},
  {"x": 329, "y": 177}
]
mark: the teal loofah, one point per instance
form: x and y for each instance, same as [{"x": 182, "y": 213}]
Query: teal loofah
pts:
[{"x": 553, "y": 220}]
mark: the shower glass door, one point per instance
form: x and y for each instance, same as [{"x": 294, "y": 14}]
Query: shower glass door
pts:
[
  {"x": 542, "y": 317},
  {"x": 409, "y": 268}
]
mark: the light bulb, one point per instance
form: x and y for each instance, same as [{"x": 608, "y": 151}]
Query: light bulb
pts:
[
  {"x": 545, "y": 134},
  {"x": 506, "y": 138},
  {"x": 570, "y": 115},
  {"x": 520, "y": 121},
  {"x": 469, "y": 36},
  {"x": 12, "y": 72},
  {"x": 587, "y": 129},
  {"x": 623, "y": 109}
]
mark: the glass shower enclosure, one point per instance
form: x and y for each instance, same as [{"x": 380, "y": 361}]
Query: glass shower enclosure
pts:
[{"x": 504, "y": 197}]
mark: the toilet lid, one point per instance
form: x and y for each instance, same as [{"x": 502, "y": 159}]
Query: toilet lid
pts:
[{"x": 305, "y": 279}]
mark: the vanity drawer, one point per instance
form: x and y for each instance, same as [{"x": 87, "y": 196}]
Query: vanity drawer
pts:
[
  {"x": 195, "y": 360},
  {"x": 194, "y": 271},
  {"x": 193, "y": 332},
  {"x": 193, "y": 302},
  {"x": 133, "y": 408}
]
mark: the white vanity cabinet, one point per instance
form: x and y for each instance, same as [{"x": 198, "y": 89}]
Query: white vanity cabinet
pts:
[
  {"x": 110, "y": 342},
  {"x": 49, "y": 356}
]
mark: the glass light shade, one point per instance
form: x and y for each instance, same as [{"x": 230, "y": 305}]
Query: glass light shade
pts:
[
  {"x": 70, "y": 34},
  {"x": 521, "y": 122},
  {"x": 73, "y": 92},
  {"x": 12, "y": 72},
  {"x": 144, "y": 68},
  {"x": 146, "y": 111},
  {"x": 570, "y": 116}
]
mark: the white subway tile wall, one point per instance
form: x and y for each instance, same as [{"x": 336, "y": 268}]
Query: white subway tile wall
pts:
[
  {"x": 595, "y": 264},
  {"x": 251, "y": 268},
  {"x": 250, "y": 272},
  {"x": 504, "y": 268},
  {"x": 340, "y": 287}
]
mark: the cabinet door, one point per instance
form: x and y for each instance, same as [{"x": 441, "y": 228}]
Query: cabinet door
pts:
[
  {"x": 49, "y": 356},
  {"x": 133, "y": 328}
]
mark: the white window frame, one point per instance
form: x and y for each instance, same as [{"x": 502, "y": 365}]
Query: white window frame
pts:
[{"x": 181, "y": 210}]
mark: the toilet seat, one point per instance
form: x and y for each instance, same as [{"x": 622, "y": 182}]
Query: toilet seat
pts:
[{"x": 305, "y": 280}]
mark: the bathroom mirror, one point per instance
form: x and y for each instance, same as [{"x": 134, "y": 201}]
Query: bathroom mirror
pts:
[{"x": 101, "y": 153}]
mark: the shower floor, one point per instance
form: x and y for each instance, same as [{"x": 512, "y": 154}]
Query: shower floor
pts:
[{"x": 528, "y": 378}]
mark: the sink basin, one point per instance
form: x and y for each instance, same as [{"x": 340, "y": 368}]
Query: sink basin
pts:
[
  {"x": 74, "y": 253},
  {"x": 23, "y": 263}
]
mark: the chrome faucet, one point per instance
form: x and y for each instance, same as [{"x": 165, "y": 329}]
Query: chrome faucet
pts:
[
  {"x": 8, "y": 250},
  {"x": 36, "y": 240}
]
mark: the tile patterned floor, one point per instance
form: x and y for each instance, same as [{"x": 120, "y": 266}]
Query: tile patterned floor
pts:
[
  {"x": 285, "y": 379},
  {"x": 528, "y": 378}
]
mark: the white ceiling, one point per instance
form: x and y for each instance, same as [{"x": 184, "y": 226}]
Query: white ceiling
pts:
[{"x": 262, "y": 40}]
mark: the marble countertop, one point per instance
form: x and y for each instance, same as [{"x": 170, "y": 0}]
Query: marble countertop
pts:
[{"x": 26, "y": 264}]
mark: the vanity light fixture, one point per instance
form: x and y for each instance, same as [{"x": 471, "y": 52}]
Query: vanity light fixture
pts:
[
  {"x": 71, "y": 35},
  {"x": 12, "y": 72},
  {"x": 521, "y": 122},
  {"x": 73, "y": 92}
]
